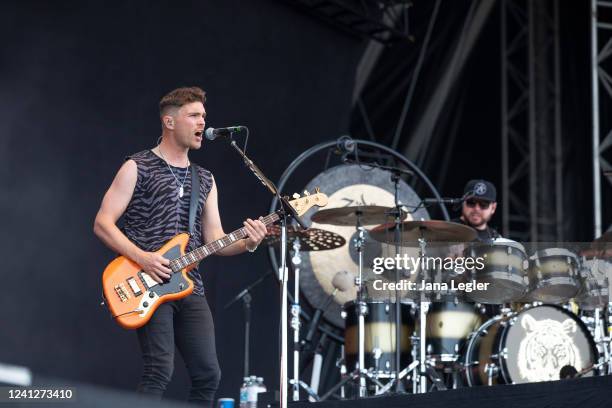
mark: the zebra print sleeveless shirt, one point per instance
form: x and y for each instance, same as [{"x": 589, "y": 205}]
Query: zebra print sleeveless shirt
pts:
[{"x": 155, "y": 213}]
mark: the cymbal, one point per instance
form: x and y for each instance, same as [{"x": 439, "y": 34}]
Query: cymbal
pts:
[
  {"x": 431, "y": 231},
  {"x": 605, "y": 238},
  {"x": 599, "y": 253},
  {"x": 311, "y": 239},
  {"x": 348, "y": 216}
]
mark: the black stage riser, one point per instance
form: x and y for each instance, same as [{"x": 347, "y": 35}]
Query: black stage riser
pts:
[{"x": 592, "y": 392}]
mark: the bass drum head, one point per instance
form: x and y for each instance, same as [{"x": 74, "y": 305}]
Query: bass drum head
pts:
[
  {"x": 534, "y": 345},
  {"x": 350, "y": 185},
  {"x": 543, "y": 339}
]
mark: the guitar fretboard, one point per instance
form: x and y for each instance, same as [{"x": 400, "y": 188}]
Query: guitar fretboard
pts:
[{"x": 202, "y": 252}]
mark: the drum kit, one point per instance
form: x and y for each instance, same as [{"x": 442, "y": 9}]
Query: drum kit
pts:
[{"x": 543, "y": 309}]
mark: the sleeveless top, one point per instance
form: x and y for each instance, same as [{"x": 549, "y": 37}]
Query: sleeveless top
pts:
[{"x": 156, "y": 214}]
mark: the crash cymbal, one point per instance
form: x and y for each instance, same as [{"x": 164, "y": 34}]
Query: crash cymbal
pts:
[
  {"x": 311, "y": 239},
  {"x": 605, "y": 238},
  {"x": 431, "y": 231},
  {"x": 348, "y": 216},
  {"x": 599, "y": 253}
]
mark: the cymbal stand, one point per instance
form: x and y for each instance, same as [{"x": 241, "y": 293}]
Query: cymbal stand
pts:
[
  {"x": 295, "y": 319},
  {"x": 360, "y": 373},
  {"x": 398, "y": 216},
  {"x": 423, "y": 309},
  {"x": 361, "y": 307},
  {"x": 424, "y": 370},
  {"x": 296, "y": 260}
]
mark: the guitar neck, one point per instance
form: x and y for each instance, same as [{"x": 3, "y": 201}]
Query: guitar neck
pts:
[{"x": 215, "y": 246}]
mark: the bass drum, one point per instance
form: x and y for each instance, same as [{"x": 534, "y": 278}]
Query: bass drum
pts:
[{"x": 529, "y": 346}]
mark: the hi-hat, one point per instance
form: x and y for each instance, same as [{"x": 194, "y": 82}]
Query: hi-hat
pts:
[
  {"x": 311, "y": 239},
  {"x": 430, "y": 231},
  {"x": 350, "y": 216}
]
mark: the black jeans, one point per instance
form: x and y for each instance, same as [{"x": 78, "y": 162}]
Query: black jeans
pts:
[{"x": 187, "y": 324}]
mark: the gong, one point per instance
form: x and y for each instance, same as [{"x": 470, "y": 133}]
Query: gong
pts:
[{"x": 351, "y": 185}]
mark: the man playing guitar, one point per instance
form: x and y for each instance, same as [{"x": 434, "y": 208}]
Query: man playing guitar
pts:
[{"x": 152, "y": 191}]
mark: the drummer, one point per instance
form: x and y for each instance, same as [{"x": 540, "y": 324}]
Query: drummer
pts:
[{"x": 478, "y": 206}]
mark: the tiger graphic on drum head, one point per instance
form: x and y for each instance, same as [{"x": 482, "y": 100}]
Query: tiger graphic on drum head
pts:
[{"x": 547, "y": 347}]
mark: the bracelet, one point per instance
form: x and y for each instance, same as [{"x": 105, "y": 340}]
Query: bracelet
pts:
[{"x": 249, "y": 249}]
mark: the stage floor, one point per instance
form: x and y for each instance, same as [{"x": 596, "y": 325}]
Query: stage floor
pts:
[{"x": 583, "y": 393}]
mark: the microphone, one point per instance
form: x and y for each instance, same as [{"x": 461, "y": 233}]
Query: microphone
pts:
[
  {"x": 212, "y": 133},
  {"x": 345, "y": 144}
]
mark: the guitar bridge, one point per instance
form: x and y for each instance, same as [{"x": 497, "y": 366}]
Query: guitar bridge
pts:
[{"x": 122, "y": 292}]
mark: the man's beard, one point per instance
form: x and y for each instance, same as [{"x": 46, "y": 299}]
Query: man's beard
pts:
[{"x": 483, "y": 221}]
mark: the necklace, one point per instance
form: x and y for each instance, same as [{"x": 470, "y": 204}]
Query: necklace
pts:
[{"x": 181, "y": 191}]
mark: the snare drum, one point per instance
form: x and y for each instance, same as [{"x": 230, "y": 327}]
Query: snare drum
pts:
[
  {"x": 379, "y": 336},
  {"x": 553, "y": 276},
  {"x": 504, "y": 270},
  {"x": 529, "y": 346}
]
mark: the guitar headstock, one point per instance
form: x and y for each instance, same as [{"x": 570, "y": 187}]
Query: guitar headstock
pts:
[{"x": 309, "y": 200}]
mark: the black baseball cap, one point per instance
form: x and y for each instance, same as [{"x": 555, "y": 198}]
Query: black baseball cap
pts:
[{"x": 480, "y": 189}]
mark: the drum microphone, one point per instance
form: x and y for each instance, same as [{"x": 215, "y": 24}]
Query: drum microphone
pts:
[
  {"x": 455, "y": 201},
  {"x": 442, "y": 200},
  {"x": 212, "y": 133},
  {"x": 342, "y": 282},
  {"x": 345, "y": 144}
]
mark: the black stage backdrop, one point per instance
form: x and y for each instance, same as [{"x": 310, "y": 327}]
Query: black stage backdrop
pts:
[{"x": 79, "y": 86}]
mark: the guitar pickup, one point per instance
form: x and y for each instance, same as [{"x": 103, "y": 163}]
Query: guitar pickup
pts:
[
  {"x": 122, "y": 292},
  {"x": 146, "y": 280},
  {"x": 134, "y": 286}
]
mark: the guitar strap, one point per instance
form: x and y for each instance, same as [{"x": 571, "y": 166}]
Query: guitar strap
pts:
[{"x": 195, "y": 194}]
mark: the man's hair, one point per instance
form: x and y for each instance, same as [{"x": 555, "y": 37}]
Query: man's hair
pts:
[{"x": 181, "y": 96}]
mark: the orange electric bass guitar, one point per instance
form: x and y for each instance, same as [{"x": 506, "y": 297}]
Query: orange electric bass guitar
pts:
[{"x": 133, "y": 296}]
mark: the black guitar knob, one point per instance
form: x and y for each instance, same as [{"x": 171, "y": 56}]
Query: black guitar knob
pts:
[
  {"x": 145, "y": 304},
  {"x": 151, "y": 295}
]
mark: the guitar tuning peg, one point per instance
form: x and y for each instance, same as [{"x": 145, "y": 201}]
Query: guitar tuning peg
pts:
[
  {"x": 296, "y": 195},
  {"x": 306, "y": 193}
]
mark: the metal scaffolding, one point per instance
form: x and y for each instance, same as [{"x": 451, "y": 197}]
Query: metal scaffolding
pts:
[
  {"x": 384, "y": 21},
  {"x": 532, "y": 149},
  {"x": 601, "y": 31}
]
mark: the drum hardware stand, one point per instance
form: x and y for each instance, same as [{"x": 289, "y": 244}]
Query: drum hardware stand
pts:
[
  {"x": 343, "y": 372},
  {"x": 601, "y": 340},
  {"x": 355, "y": 375},
  {"x": 296, "y": 383},
  {"x": 491, "y": 370},
  {"x": 361, "y": 308},
  {"x": 609, "y": 370},
  {"x": 360, "y": 372},
  {"x": 398, "y": 216},
  {"x": 424, "y": 308},
  {"x": 425, "y": 370}
]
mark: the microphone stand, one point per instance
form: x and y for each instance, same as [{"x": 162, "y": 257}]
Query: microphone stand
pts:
[{"x": 286, "y": 210}]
